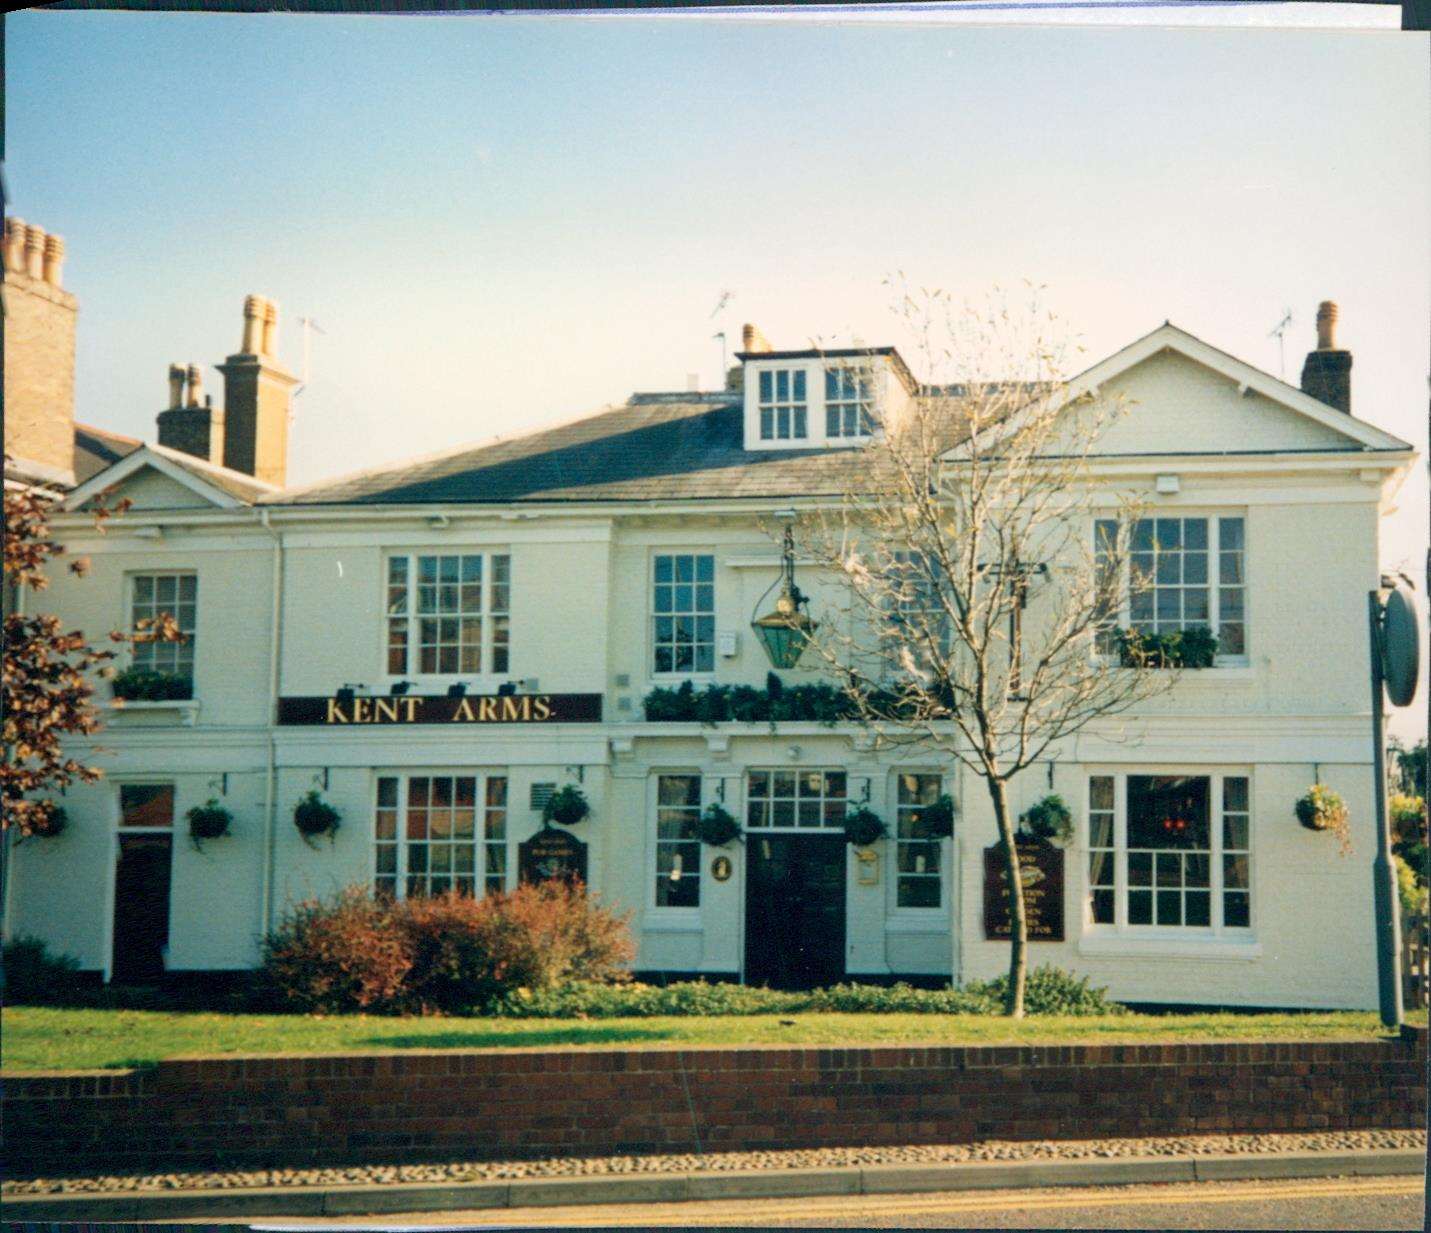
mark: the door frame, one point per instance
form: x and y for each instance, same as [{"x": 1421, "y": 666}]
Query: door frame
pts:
[{"x": 115, "y": 831}]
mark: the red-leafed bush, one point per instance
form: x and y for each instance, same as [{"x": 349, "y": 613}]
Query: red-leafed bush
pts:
[
  {"x": 466, "y": 953},
  {"x": 346, "y": 953},
  {"x": 446, "y": 954}
]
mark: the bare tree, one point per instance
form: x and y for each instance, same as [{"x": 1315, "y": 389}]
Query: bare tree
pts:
[{"x": 982, "y": 561}]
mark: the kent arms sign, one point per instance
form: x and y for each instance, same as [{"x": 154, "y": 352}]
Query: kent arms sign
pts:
[{"x": 368, "y": 710}]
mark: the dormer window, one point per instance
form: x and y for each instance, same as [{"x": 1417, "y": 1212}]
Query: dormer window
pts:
[
  {"x": 849, "y": 395},
  {"x": 784, "y": 412}
]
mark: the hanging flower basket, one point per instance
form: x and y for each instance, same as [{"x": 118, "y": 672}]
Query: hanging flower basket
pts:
[
  {"x": 864, "y": 827},
  {"x": 936, "y": 821},
  {"x": 1322, "y": 809},
  {"x": 208, "y": 821},
  {"x": 717, "y": 827},
  {"x": 1049, "y": 819},
  {"x": 313, "y": 816},
  {"x": 567, "y": 805}
]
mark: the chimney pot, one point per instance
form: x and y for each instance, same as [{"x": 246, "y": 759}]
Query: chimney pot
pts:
[
  {"x": 1327, "y": 326},
  {"x": 54, "y": 259},
  {"x": 270, "y": 325},
  {"x": 196, "y": 385},
  {"x": 35, "y": 251},
  {"x": 176, "y": 386},
  {"x": 753, "y": 340},
  {"x": 15, "y": 229},
  {"x": 252, "y": 325}
]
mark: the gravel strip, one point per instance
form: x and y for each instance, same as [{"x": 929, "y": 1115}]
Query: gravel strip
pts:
[{"x": 715, "y": 1162}]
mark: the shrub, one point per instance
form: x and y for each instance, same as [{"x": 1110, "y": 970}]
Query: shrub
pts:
[
  {"x": 1052, "y": 991},
  {"x": 467, "y": 953},
  {"x": 899, "y": 998},
  {"x": 34, "y": 977},
  {"x": 341, "y": 954},
  {"x": 146, "y": 685},
  {"x": 49, "y": 821},
  {"x": 1410, "y": 889},
  {"x": 1408, "y": 817}
]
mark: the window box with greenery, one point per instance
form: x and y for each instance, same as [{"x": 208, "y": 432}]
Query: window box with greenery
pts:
[
  {"x": 314, "y": 817},
  {"x": 47, "y": 822},
  {"x": 208, "y": 821},
  {"x": 1194, "y": 647},
  {"x": 151, "y": 685},
  {"x": 567, "y": 805}
]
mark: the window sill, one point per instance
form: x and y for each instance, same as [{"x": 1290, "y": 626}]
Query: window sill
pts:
[
  {"x": 1169, "y": 948},
  {"x": 185, "y": 709}
]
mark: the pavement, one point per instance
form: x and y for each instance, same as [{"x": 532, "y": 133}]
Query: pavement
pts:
[{"x": 514, "y": 1202}]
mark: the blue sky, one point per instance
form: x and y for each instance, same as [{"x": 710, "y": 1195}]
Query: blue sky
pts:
[{"x": 505, "y": 222}]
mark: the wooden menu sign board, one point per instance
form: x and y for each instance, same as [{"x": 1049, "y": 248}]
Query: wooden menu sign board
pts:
[
  {"x": 1041, "y": 870},
  {"x": 550, "y": 854}
]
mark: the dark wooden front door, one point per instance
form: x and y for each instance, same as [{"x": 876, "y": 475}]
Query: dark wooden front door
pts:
[
  {"x": 141, "y": 908},
  {"x": 794, "y": 910}
]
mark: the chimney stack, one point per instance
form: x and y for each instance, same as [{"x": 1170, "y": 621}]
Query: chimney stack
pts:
[
  {"x": 752, "y": 340},
  {"x": 191, "y": 426},
  {"x": 40, "y": 318},
  {"x": 1326, "y": 374},
  {"x": 258, "y": 392}
]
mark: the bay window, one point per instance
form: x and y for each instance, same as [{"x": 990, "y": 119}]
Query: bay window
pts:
[
  {"x": 1170, "y": 852},
  {"x": 447, "y": 614},
  {"x": 1180, "y": 573},
  {"x": 439, "y": 833}
]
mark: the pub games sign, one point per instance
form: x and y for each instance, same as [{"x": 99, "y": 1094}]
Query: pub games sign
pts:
[{"x": 365, "y": 710}]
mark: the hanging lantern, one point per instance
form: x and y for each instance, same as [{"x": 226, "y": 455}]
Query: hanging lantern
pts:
[{"x": 784, "y": 632}]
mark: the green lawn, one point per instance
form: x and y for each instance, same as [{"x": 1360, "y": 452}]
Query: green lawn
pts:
[{"x": 41, "y": 1038}]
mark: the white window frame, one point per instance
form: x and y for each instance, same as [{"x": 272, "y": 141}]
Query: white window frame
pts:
[
  {"x": 939, "y": 911},
  {"x": 671, "y": 912},
  {"x": 486, "y": 673},
  {"x": 789, "y": 406},
  {"x": 191, "y": 641},
  {"x": 695, "y": 674},
  {"x": 1216, "y": 931},
  {"x": 862, "y": 404},
  {"x": 480, "y": 841},
  {"x": 797, "y": 771},
  {"x": 1213, "y": 518}
]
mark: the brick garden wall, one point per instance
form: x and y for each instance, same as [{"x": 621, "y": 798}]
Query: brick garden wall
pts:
[{"x": 519, "y": 1103}]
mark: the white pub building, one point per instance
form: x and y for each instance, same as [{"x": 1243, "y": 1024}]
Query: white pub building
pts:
[{"x": 437, "y": 646}]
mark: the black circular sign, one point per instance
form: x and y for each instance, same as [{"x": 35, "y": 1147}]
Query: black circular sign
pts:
[{"x": 1401, "y": 645}]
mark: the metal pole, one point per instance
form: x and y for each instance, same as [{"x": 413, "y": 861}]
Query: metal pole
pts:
[{"x": 1383, "y": 873}]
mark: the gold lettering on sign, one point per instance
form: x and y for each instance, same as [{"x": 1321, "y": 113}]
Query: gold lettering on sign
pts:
[
  {"x": 486, "y": 710},
  {"x": 511, "y": 711},
  {"x": 335, "y": 713},
  {"x": 362, "y": 710},
  {"x": 386, "y": 709},
  {"x": 541, "y": 708},
  {"x": 464, "y": 712},
  {"x": 411, "y": 708}
]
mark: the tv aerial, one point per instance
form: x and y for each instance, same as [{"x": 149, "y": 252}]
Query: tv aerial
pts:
[{"x": 1279, "y": 332}]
